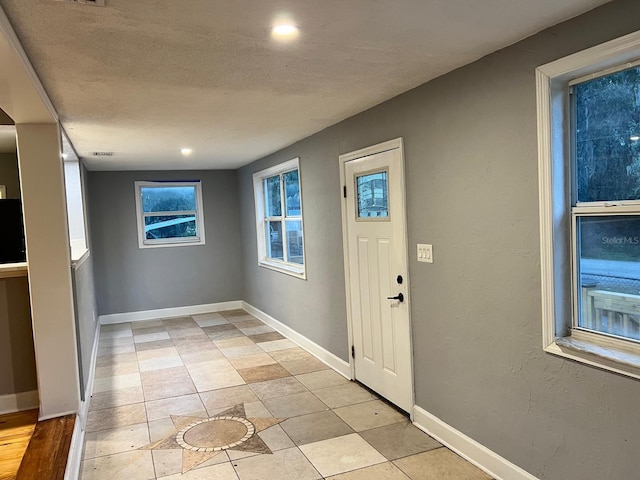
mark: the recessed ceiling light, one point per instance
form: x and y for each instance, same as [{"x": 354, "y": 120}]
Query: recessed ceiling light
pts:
[
  {"x": 284, "y": 30},
  {"x": 634, "y": 138},
  {"x": 186, "y": 151}
]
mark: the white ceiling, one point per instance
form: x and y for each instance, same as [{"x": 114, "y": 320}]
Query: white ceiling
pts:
[{"x": 144, "y": 78}]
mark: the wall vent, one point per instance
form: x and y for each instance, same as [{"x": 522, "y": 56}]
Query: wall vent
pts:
[
  {"x": 102, "y": 154},
  {"x": 97, "y": 3}
]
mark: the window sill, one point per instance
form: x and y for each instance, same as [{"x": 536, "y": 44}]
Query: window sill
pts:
[
  {"x": 605, "y": 357},
  {"x": 298, "y": 272}
]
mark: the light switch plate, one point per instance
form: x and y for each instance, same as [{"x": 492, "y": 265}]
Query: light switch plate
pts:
[{"x": 425, "y": 253}]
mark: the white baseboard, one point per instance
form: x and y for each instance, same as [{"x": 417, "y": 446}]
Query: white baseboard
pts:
[
  {"x": 17, "y": 402},
  {"x": 168, "y": 312},
  {"x": 72, "y": 471},
  {"x": 339, "y": 365},
  {"x": 485, "y": 459}
]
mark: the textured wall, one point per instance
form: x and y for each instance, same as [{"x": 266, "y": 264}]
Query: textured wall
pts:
[
  {"x": 472, "y": 191},
  {"x": 9, "y": 175},
  {"x": 17, "y": 360},
  {"x": 130, "y": 279}
]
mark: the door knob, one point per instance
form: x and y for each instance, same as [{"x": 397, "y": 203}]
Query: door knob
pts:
[{"x": 399, "y": 297}]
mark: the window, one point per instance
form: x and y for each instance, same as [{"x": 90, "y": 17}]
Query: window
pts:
[
  {"x": 279, "y": 218},
  {"x": 589, "y": 166},
  {"x": 169, "y": 214}
]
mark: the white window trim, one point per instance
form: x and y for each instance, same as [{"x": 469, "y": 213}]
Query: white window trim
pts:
[
  {"x": 293, "y": 269},
  {"x": 552, "y": 82},
  {"x": 170, "y": 242}
]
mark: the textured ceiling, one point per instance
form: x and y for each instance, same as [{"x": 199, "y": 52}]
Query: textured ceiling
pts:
[{"x": 143, "y": 78}]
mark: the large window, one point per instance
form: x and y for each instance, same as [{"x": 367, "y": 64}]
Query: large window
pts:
[
  {"x": 589, "y": 139},
  {"x": 279, "y": 218},
  {"x": 169, "y": 214}
]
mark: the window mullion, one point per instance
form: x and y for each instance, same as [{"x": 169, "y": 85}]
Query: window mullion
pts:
[{"x": 283, "y": 223}]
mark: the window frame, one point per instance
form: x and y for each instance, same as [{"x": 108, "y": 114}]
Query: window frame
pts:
[
  {"x": 170, "y": 242},
  {"x": 560, "y": 334},
  {"x": 290, "y": 268}
]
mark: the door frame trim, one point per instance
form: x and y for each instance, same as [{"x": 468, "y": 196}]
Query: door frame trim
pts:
[{"x": 396, "y": 143}]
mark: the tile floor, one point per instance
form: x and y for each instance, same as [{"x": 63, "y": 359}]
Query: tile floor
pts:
[{"x": 221, "y": 396}]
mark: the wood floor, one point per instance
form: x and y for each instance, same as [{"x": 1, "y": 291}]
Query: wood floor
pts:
[
  {"x": 15, "y": 433},
  {"x": 34, "y": 450}
]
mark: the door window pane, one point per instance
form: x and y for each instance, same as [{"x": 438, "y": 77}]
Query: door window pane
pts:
[
  {"x": 274, "y": 240},
  {"x": 170, "y": 226},
  {"x": 272, "y": 196},
  {"x": 609, "y": 274},
  {"x": 607, "y": 111},
  {"x": 168, "y": 199},
  {"x": 292, "y": 193},
  {"x": 372, "y": 195},
  {"x": 295, "y": 245}
]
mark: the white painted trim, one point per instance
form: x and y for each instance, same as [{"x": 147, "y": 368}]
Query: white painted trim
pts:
[
  {"x": 319, "y": 352},
  {"x": 168, "y": 312},
  {"x": 17, "y": 402},
  {"x": 469, "y": 449},
  {"x": 74, "y": 459}
]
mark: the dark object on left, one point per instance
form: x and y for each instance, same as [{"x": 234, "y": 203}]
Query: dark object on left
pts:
[{"x": 12, "y": 246}]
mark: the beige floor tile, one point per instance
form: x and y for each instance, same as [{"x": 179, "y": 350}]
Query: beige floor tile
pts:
[
  {"x": 147, "y": 330},
  {"x": 253, "y": 322},
  {"x": 115, "y": 342},
  {"x": 115, "y": 417},
  {"x": 439, "y": 464},
  {"x": 214, "y": 375},
  {"x": 222, "y": 471},
  {"x": 250, "y": 361},
  {"x": 321, "y": 379},
  {"x": 117, "y": 382},
  {"x": 266, "y": 337},
  {"x": 225, "y": 334},
  {"x": 275, "y": 438},
  {"x": 287, "y": 464},
  {"x": 263, "y": 373},
  {"x": 343, "y": 395},
  {"x": 150, "y": 337},
  {"x": 179, "y": 322},
  {"x": 202, "y": 355},
  {"x": 277, "y": 345},
  {"x": 142, "y": 324},
  {"x": 294, "y": 405},
  {"x": 186, "y": 405},
  {"x": 185, "y": 332},
  {"x": 193, "y": 343},
  {"x": 227, "y": 397},
  {"x": 289, "y": 354},
  {"x": 167, "y": 462},
  {"x": 241, "y": 351},
  {"x": 141, "y": 347},
  {"x": 382, "y": 471},
  {"x": 223, "y": 327},
  {"x": 106, "y": 360},
  {"x": 160, "y": 363},
  {"x": 157, "y": 353},
  {"x": 136, "y": 464},
  {"x": 368, "y": 415},
  {"x": 399, "y": 440},
  {"x": 341, "y": 454},
  {"x": 304, "y": 365},
  {"x": 116, "y": 369},
  {"x": 277, "y": 388},
  {"x": 315, "y": 427},
  {"x": 257, "y": 330},
  {"x": 234, "y": 342},
  {"x": 122, "y": 439},
  {"x": 115, "y": 327},
  {"x": 210, "y": 322},
  {"x": 115, "y": 398},
  {"x": 239, "y": 317},
  {"x": 256, "y": 410},
  {"x": 161, "y": 428},
  {"x": 166, "y": 383},
  {"x": 115, "y": 349}
]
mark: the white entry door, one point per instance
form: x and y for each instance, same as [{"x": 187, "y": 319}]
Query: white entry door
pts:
[{"x": 375, "y": 223}]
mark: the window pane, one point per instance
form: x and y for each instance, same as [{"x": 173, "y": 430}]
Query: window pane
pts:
[
  {"x": 608, "y": 137},
  {"x": 274, "y": 240},
  {"x": 295, "y": 246},
  {"x": 372, "y": 195},
  {"x": 272, "y": 196},
  {"x": 170, "y": 226},
  {"x": 168, "y": 199},
  {"x": 609, "y": 274},
  {"x": 292, "y": 193}
]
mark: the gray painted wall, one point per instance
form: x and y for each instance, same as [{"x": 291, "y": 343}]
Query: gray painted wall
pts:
[
  {"x": 9, "y": 175},
  {"x": 472, "y": 191},
  {"x": 129, "y": 279},
  {"x": 17, "y": 358}
]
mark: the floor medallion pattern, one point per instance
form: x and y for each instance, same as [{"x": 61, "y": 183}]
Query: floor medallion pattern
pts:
[{"x": 202, "y": 439}]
